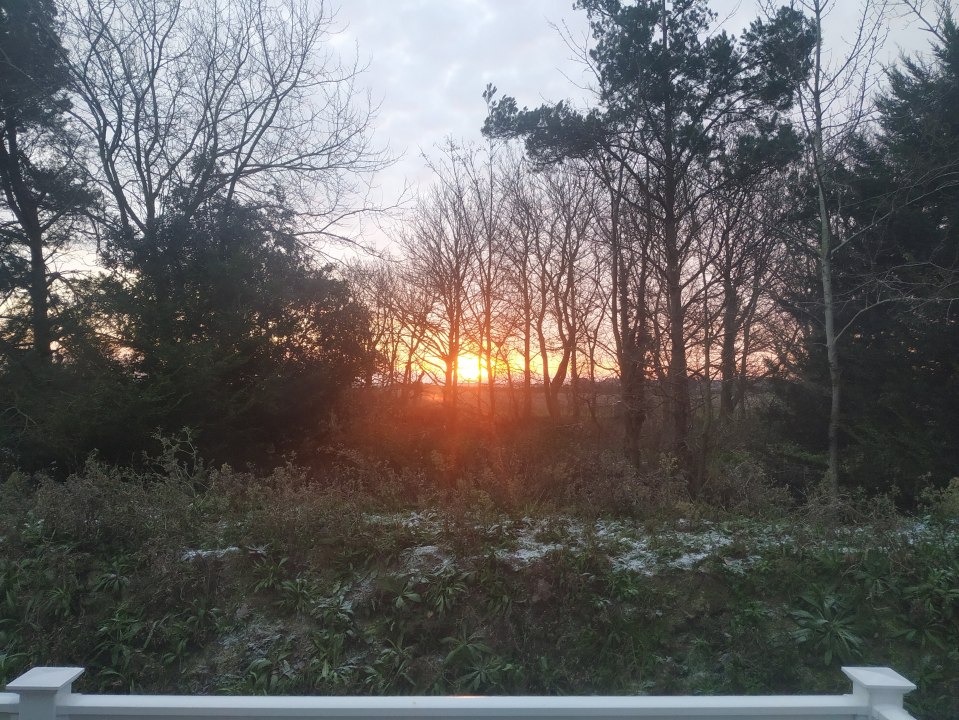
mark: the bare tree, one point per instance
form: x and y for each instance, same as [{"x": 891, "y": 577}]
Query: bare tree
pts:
[
  {"x": 440, "y": 250},
  {"x": 374, "y": 284},
  {"x": 569, "y": 206},
  {"x": 525, "y": 225},
  {"x": 485, "y": 180},
  {"x": 834, "y": 103},
  {"x": 188, "y": 99}
]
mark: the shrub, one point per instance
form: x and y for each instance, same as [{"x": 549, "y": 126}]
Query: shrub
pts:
[{"x": 739, "y": 484}]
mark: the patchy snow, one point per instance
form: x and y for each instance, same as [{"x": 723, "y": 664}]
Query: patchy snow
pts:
[
  {"x": 699, "y": 546},
  {"x": 425, "y": 558},
  {"x": 529, "y": 546},
  {"x": 427, "y": 521},
  {"x": 636, "y": 557},
  {"x": 739, "y": 566},
  {"x": 528, "y": 551},
  {"x": 631, "y": 545},
  {"x": 219, "y": 553}
]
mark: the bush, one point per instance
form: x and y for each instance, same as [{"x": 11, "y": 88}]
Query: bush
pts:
[
  {"x": 739, "y": 484},
  {"x": 104, "y": 509}
]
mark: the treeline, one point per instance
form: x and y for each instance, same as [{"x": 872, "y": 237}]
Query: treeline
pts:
[
  {"x": 735, "y": 222},
  {"x": 755, "y": 247},
  {"x": 168, "y": 168}
]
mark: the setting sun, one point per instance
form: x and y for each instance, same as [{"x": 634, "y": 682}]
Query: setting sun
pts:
[{"x": 470, "y": 369}]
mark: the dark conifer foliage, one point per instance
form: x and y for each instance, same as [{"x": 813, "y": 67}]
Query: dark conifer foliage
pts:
[
  {"x": 897, "y": 288},
  {"x": 675, "y": 100},
  {"x": 40, "y": 177},
  {"x": 215, "y": 316}
]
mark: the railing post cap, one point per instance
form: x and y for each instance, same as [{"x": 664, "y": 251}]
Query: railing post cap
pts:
[
  {"x": 878, "y": 678},
  {"x": 48, "y": 679}
]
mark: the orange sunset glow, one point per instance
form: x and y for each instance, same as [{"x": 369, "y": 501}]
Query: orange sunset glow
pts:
[{"x": 471, "y": 368}]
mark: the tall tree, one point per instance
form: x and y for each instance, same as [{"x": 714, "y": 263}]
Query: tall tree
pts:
[
  {"x": 896, "y": 281},
  {"x": 441, "y": 250},
  {"x": 525, "y": 221},
  {"x": 187, "y": 100},
  {"x": 833, "y": 99},
  {"x": 255, "y": 340},
  {"x": 38, "y": 171},
  {"x": 668, "y": 92}
]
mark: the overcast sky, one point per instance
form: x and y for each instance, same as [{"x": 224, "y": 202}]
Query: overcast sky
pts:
[{"x": 429, "y": 61}]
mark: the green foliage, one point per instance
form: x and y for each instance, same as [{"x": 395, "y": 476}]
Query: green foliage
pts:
[
  {"x": 943, "y": 504},
  {"x": 827, "y": 624},
  {"x": 297, "y": 595},
  {"x": 895, "y": 284},
  {"x": 475, "y": 666},
  {"x": 222, "y": 322},
  {"x": 271, "y": 675},
  {"x": 268, "y": 575},
  {"x": 339, "y": 593},
  {"x": 43, "y": 190}
]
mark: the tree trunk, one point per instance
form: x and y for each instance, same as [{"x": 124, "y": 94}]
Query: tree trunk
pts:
[
  {"x": 527, "y": 370},
  {"x": 832, "y": 355},
  {"x": 678, "y": 371},
  {"x": 20, "y": 198},
  {"x": 39, "y": 302},
  {"x": 727, "y": 353},
  {"x": 825, "y": 266}
]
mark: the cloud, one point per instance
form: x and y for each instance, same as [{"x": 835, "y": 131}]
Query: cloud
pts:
[{"x": 430, "y": 60}]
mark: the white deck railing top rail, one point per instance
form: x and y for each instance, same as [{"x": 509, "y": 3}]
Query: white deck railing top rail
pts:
[{"x": 45, "y": 693}]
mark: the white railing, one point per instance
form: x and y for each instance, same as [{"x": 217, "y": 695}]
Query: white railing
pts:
[{"x": 45, "y": 693}]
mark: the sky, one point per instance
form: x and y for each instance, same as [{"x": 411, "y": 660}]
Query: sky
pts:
[{"x": 430, "y": 60}]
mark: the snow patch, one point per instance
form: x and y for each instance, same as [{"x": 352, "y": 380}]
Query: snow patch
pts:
[
  {"x": 426, "y": 521},
  {"x": 425, "y": 558},
  {"x": 219, "y": 553},
  {"x": 699, "y": 547},
  {"x": 637, "y": 557}
]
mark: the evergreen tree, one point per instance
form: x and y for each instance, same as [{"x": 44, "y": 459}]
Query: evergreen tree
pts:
[
  {"x": 41, "y": 191},
  {"x": 672, "y": 94},
  {"x": 236, "y": 333},
  {"x": 896, "y": 289}
]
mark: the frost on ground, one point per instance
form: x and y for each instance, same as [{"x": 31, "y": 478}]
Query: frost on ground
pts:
[
  {"x": 425, "y": 558},
  {"x": 630, "y": 545},
  {"x": 428, "y": 522},
  {"x": 218, "y": 553},
  {"x": 699, "y": 547}
]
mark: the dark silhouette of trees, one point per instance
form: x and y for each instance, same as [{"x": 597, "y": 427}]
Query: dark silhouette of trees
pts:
[
  {"x": 187, "y": 100},
  {"x": 241, "y": 336},
  {"x": 41, "y": 176},
  {"x": 669, "y": 94},
  {"x": 894, "y": 286}
]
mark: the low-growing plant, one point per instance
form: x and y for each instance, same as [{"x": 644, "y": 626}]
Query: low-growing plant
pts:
[
  {"x": 271, "y": 675},
  {"x": 828, "y": 625},
  {"x": 268, "y": 575},
  {"x": 298, "y": 595},
  {"x": 445, "y": 587},
  {"x": 389, "y": 670},
  {"x": 114, "y": 580}
]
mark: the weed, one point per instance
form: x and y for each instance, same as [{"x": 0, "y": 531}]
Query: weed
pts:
[
  {"x": 114, "y": 580},
  {"x": 297, "y": 595},
  {"x": 445, "y": 587},
  {"x": 828, "y": 625},
  {"x": 268, "y": 575},
  {"x": 271, "y": 675}
]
